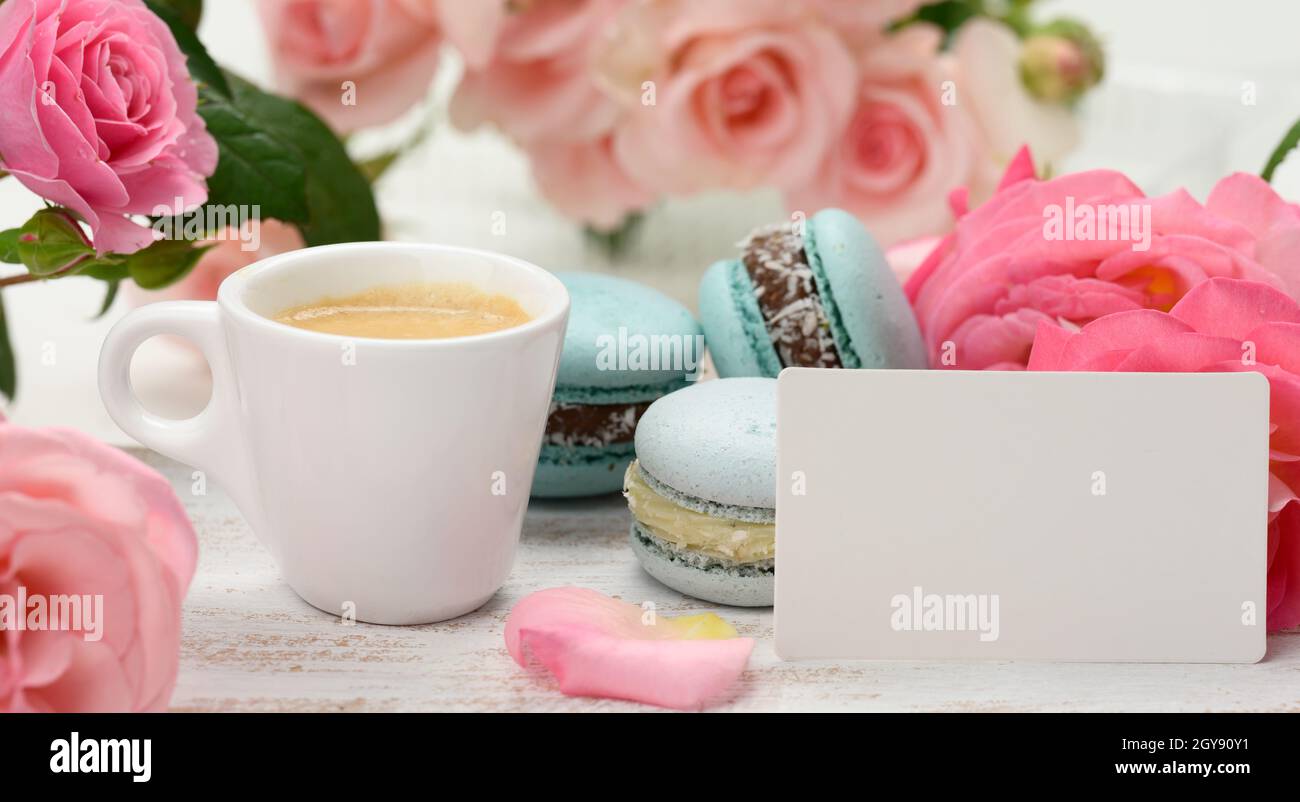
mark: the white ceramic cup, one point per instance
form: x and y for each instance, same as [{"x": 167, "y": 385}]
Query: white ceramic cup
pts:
[{"x": 389, "y": 478}]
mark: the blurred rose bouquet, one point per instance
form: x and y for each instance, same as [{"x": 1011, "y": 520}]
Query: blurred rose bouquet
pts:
[
  {"x": 147, "y": 153},
  {"x": 882, "y": 107}
]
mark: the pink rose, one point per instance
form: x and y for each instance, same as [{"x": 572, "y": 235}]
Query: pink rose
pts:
[
  {"x": 539, "y": 84},
  {"x": 905, "y": 149},
  {"x": 747, "y": 93},
  {"x": 228, "y": 254},
  {"x": 470, "y": 27},
  {"x": 1215, "y": 326},
  {"x": 104, "y": 121},
  {"x": 84, "y": 521},
  {"x": 585, "y": 181},
  {"x": 387, "y": 49},
  {"x": 1026, "y": 256}
]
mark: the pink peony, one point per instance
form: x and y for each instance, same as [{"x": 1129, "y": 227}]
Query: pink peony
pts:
[
  {"x": 598, "y": 646},
  {"x": 1220, "y": 324},
  {"x": 78, "y": 518},
  {"x": 746, "y": 93},
  {"x": 906, "y": 147},
  {"x": 387, "y": 49},
  {"x": 97, "y": 113},
  {"x": 981, "y": 294},
  {"x": 539, "y": 84}
]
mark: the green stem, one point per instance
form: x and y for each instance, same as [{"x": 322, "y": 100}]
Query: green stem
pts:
[{"x": 1288, "y": 143}]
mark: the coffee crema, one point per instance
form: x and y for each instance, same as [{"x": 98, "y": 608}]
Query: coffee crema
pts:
[{"x": 409, "y": 312}]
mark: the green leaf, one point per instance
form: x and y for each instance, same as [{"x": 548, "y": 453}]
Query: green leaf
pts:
[
  {"x": 52, "y": 242},
  {"x": 110, "y": 295},
  {"x": 8, "y": 368},
  {"x": 946, "y": 14},
  {"x": 177, "y": 14},
  {"x": 340, "y": 204},
  {"x": 274, "y": 153},
  {"x": 9, "y": 246},
  {"x": 189, "y": 12},
  {"x": 108, "y": 268},
  {"x": 255, "y": 166},
  {"x": 164, "y": 262},
  {"x": 1288, "y": 144}
]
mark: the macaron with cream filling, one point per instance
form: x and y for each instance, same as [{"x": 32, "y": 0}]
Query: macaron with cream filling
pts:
[{"x": 702, "y": 491}]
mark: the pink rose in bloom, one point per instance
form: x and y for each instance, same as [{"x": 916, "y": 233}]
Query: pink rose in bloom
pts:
[
  {"x": 1213, "y": 328},
  {"x": 585, "y": 181},
  {"x": 747, "y": 93},
  {"x": 97, "y": 113},
  {"x": 603, "y": 647},
  {"x": 539, "y": 84},
  {"x": 905, "y": 149},
  {"x": 227, "y": 255},
  {"x": 1006, "y": 267},
  {"x": 80, "y": 518},
  {"x": 387, "y": 49}
]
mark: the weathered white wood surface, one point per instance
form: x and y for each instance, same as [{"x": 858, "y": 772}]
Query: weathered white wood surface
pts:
[{"x": 250, "y": 644}]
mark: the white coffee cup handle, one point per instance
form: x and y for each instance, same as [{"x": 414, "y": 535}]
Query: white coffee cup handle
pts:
[{"x": 211, "y": 440}]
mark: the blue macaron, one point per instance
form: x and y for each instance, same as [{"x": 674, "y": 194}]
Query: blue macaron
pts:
[
  {"x": 820, "y": 297},
  {"x": 626, "y": 345},
  {"x": 702, "y": 491}
]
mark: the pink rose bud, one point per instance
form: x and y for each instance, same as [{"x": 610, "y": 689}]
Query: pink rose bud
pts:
[{"x": 1061, "y": 61}]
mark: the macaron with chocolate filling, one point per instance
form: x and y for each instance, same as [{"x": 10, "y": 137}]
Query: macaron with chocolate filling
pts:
[
  {"x": 702, "y": 492},
  {"x": 824, "y": 297},
  {"x": 626, "y": 345}
]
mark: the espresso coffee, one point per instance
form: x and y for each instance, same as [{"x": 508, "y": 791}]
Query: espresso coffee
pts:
[{"x": 409, "y": 312}]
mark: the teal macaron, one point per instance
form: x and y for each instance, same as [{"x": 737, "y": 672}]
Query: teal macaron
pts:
[
  {"x": 626, "y": 345},
  {"x": 702, "y": 491},
  {"x": 815, "y": 294}
]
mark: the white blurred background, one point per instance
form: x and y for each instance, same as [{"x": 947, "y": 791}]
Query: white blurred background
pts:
[{"x": 1170, "y": 113}]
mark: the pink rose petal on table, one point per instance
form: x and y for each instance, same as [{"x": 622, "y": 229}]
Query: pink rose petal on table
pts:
[{"x": 599, "y": 646}]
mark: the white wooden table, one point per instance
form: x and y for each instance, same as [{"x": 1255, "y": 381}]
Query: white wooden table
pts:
[{"x": 250, "y": 644}]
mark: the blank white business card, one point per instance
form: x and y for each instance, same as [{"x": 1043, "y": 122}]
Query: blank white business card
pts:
[{"x": 1021, "y": 515}]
